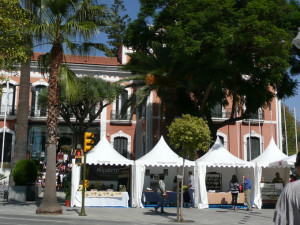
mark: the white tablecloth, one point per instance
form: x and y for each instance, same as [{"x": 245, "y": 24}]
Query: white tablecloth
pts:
[{"x": 102, "y": 201}]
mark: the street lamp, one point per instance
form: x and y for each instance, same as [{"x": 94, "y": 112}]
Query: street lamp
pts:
[{"x": 296, "y": 40}]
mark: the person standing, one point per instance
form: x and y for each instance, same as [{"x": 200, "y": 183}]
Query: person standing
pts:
[
  {"x": 278, "y": 179},
  {"x": 234, "y": 188},
  {"x": 161, "y": 192},
  {"x": 191, "y": 188},
  {"x": 287, "y": 208},
  {"x": 247, "y": 190}
]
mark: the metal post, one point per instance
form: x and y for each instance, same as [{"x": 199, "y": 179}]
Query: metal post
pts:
[
  {"x": 286, "y": 141},
  {"x": 259, "y": 113},
  {"x": 82, "y": 213},
  {"x": 4, "y": 126},
  {"x": 249, "y": 140},
  {"x": 296, "y": 130}
]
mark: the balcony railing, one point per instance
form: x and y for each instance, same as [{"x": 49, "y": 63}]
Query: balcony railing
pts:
[
  {"x": 117, "y": 117},
  {"x": 254, "y": 116},
  {"x": 10, "y": 110}
]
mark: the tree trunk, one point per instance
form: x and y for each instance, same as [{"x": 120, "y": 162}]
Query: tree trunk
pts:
[
  {"x": 20, "y": 150},
  {"x": 49, "y": 204}
]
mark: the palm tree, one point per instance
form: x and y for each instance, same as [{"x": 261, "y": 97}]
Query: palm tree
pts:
[
  {"x": 86, "y": 104},
  {"x": 58, "y": 23}
]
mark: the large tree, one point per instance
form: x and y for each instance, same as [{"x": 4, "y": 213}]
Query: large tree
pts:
[
  {"x": 13, "y": 23},
  {"x": 219, "y": 52},
  {"x": 62, "y": 22},
  {"x": 86, "y": 104},
  {"x": 117, "y": 27}
]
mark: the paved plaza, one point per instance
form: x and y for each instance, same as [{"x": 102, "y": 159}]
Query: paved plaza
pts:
[{"x": 24, "y": 213}]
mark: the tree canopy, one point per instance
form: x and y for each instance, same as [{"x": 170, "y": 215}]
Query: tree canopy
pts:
[
  {"x": 190, "y": 134},
  {"x": 13, "y": 23},
  {"x": 216, "y": 52}
]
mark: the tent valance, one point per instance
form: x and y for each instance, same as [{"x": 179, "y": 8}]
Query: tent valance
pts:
[
  {"x": 104, "y": 154},
  {"x": 286, "y": 162},
  {"x": 219, "y": 156}
]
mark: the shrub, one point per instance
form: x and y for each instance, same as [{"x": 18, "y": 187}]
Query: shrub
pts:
[
  {"x": 25, "y": 172},
  {"x": 67, "y": 186}
]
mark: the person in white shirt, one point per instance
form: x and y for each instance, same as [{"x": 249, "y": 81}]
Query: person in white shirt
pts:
[
  {"x": 191, "y": 188},
  {"x": 288, "y": 205}
]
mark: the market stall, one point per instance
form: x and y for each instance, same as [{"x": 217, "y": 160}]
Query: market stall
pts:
[
  {"x": 213, "y": 172},
  {"x": 105, "y": 162},
  {"x": 268, "y": 192},
  {"x": 161, "y": 156}
]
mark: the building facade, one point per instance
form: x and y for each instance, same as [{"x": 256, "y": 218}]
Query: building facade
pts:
[{"x": 132, "y": 136}]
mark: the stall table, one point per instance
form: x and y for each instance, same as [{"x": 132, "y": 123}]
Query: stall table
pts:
[
  {"x": 152, "y": 196},
  {"x": 102, "y": 198},
  {"x": 223, "y": 198}
]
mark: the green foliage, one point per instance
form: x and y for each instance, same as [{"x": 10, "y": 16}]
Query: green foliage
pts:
[
  {"x": 211, "y": 44},
  {"x": 67, "y": 186},
  {"x": 13, "y": 24},
  {"x": 25, "y": 172},
  {"x": 290, "y": 127},
  {"x": 117, "y": 26},
  {"x": 191, "y": 134}
]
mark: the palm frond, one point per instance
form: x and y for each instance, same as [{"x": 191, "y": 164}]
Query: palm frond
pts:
[
  {"x": 69, "y": 81},
  {"x": 44, "y": 63}
]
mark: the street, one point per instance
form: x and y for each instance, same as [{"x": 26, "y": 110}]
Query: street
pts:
[{"x": 24, "y": 213}]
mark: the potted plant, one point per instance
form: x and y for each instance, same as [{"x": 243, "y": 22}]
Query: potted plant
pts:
[
  {"x": 24, "y": 175},
  {"x": 67, "y": 189}
]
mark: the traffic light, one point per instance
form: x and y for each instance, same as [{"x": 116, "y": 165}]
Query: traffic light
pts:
[
  {"x": 78, "y": 156},
  {"x": 86, "y": 183},
  {"x": 88, "y": 141}
]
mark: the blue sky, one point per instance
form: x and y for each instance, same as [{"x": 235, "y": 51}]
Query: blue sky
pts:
[{"x": 132, "y": 9}]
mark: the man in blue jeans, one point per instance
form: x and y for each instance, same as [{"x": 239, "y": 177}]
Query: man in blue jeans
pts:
[{"x": 247, "y": 190}]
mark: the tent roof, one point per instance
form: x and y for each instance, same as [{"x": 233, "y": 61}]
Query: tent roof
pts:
[
  {"x": 271, "y": 154},
  {"x": 286, "y": 162},
  {"x": 219, "y": 156},
  {"x": 162, "y": 155},
  {"x": 104, "y": 154}
]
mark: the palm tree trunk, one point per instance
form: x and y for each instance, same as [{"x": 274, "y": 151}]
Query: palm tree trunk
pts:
[
  {"x": 49, "y": 204},
  {"x": 20, "y": 150}
]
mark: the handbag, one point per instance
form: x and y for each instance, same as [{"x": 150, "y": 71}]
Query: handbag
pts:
[{"x": 165, "y": 195}]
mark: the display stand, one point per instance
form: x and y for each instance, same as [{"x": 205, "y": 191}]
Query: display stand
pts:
[
  {"x": 270, "y": 192},
  {"x": 213, "y": 181}
]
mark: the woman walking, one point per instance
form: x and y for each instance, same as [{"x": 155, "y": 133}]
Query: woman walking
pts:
[{"x": 234, "y": 188}]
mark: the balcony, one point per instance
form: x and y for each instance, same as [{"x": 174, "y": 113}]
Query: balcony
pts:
[
  {"x": 256, "y": 118},
  {"x": 117, "y": 118},
  {"x": 218, "y": 115},
  {"x": 11, "y": 110}
]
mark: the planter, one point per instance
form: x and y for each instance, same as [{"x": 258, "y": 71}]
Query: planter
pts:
[
  {"x": 67, "y": 202},
  {"x": 17, "y": 193}
]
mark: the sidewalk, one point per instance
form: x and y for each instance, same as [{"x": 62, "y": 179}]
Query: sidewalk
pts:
[{"x": 100, "y": 215}]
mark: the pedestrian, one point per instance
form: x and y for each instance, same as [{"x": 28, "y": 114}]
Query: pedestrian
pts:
[
  {"x": 234, "y": 188},
  {"x": 191, "y": 188},
  {"x": 287, "y": 207},
  {"x": 292, "y": 178},
  {"x": 247, "y": 190},
  {"x": 161, "y": 190}
]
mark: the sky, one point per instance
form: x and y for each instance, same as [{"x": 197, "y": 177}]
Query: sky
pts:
[{"x": 132, "y": 9}]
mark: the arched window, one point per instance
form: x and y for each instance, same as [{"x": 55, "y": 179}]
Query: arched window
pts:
[
  {"x": 36, "y": 109},
  {"x": 255, "y": 152},
  {"x": 120, "y": 144},
  {"x": 7, "y": 146}
]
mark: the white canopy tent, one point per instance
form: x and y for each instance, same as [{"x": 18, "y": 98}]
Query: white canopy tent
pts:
[
  {"x": 102, "y": 154},
  {"x": 286, "y": 162},
  {"x": 217, "y": 156},
  {"x": 160, "y": 155},
  {"x": 264, "y": 165}
]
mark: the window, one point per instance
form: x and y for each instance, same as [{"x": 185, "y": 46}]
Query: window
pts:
[
  {"x": 217, "y": 111},
  {"x": 119, "y": 103},
  {"x": 7, "y": 146},
  {"x": 36, "y": 109},
  {"x": 120, "y": 144},
  {"x": 8, "y": 99},
  {"x": 255, "y": 152}
]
